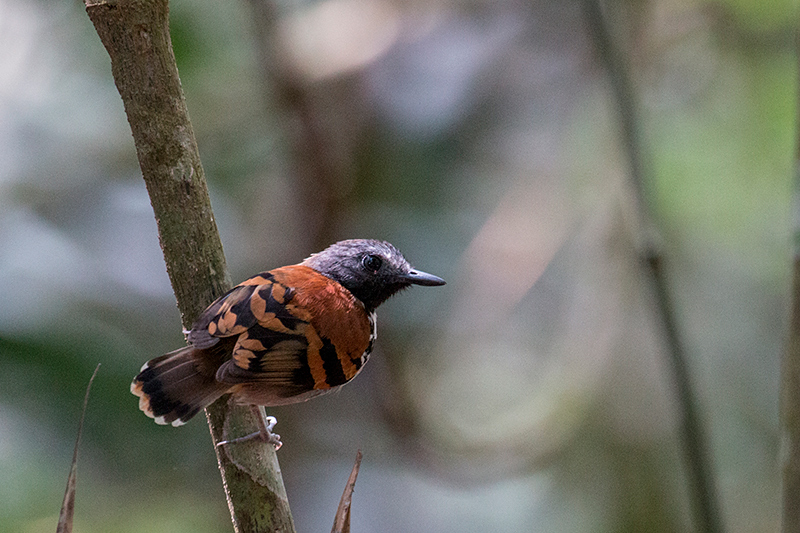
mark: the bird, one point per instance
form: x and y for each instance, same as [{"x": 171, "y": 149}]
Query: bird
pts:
[{"x": 280, "y": 337}]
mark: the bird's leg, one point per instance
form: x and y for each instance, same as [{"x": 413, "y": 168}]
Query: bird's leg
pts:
[
  {"x": 265, "y": 425},
  {"x": 264, "y": 433}
]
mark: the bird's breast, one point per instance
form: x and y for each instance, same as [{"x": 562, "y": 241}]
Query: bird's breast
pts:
[{"x": 344, "y": 328}]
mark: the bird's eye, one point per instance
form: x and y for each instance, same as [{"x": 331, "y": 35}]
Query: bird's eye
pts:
[{"x": 372, "y": 262}]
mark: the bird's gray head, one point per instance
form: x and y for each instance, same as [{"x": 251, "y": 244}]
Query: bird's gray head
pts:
[{"x": 371, "y": 270}]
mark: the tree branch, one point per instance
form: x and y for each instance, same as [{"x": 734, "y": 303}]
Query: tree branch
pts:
[
  {"x": 136, "y": 35},
  {"x": 695, "y": 448}
]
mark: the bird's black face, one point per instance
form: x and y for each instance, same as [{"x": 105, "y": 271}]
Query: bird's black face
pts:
[{"x": 372, "y": 270}]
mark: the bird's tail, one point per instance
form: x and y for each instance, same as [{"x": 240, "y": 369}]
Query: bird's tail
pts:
[{"x": 176, "y": 386}]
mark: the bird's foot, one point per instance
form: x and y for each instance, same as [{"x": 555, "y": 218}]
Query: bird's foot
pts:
[{"x": 264, "y": 433}]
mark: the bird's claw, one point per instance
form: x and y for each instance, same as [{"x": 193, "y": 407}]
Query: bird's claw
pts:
[
  {"x": 269, "y": 436},
  {"x": 264, "y": 434}
]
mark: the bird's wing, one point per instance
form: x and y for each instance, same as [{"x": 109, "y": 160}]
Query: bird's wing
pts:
[
  {"x": 236, "y": 311},
  {"x": 297, "y": 331}
]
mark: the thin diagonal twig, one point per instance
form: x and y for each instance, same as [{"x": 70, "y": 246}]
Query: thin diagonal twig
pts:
[{"x": 68, "y": 506}]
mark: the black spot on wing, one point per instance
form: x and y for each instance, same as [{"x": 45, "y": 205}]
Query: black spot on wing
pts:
[
  {"x": 254, "y": 364},
  {"x": 269, "y": 337},
  {"x": 287, "y": 319},
  {"x": 235, "y": 301},
  {"x": 302, "y": 376},
  {"x": 334, "y": 374},
  {"x": 241, "y": 307}
]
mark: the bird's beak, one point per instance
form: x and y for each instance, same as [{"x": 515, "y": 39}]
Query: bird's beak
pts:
[{"x": 417, "y": 277}]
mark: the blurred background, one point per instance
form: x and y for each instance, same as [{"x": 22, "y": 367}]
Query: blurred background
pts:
[{"x": 480, "y": 137}]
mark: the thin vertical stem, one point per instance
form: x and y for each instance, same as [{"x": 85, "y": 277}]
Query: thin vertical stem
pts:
[
  {"x": 790, "y": 367},
  {"x": 693, "y": 440}
]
